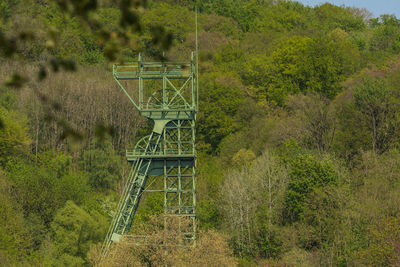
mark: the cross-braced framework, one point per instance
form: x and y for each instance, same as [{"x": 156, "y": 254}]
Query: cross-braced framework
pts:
[{"x": 167, "y": 94}]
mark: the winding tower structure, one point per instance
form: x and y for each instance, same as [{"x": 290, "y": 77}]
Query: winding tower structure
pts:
[{"x": 163, "y": 162}]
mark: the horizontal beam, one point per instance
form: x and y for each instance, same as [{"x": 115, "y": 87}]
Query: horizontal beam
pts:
[
  {"x": 153, "y": 63},
  {"x": 168, "y": 191},
  {"x": 177, "y": 157},
  {"x": 152, "y": 77}
]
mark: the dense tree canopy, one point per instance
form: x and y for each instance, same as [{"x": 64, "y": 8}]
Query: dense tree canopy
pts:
[{"x": 297, "y": 132}]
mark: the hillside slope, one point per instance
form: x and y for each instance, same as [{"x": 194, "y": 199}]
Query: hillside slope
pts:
[{"x": 298, "y": 130}]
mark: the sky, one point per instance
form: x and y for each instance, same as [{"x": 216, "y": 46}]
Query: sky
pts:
[{"x": 376, "y": 7}]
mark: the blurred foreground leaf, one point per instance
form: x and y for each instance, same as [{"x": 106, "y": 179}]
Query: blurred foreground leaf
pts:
[{"x": 15, "y": 80}]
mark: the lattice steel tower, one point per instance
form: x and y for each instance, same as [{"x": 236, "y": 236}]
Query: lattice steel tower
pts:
[{"x": 163, "y": 162}]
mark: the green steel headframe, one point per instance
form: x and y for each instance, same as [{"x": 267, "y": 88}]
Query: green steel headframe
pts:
[
  {"x": 163, "y": 162},
  {"x": 167, "y": 72}
]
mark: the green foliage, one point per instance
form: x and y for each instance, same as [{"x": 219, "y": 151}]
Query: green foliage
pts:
[
  {"x": 314, "y": 118},
  {"x": 242, "y": 157},
  {"x": 243, "y": 12},
  {"x": 255, "y": 132},
  {"x": 110, "y": 17},
  {"x": 53, "y": 172},
  {"x": 307, "y": 174},
  {"x": 13, "y": 138},
  {"x": 74, "y": 230},
  {"x": 6, "y": 8},
  {"x": 302, "y": 64},
  {"x": 320, "y": 217},
  {"x": 175, "y": 19},
  {"x": 102, "y": 166},
  {"x": 217, "y": 24},
  {"x": 229, "y": 57},
  {"x": 151, "y": 204},
  {"x": 287, "y": 72},
  {"x": 386, "y": 35},
  {"x": 352, "y": 135},
  {"x": 208, "y": 213},
  {"x": 383, "y": 249},
  {"x": 208, "y": 199},
  {"x": 14, "y": 236},
  {"x": 7, "y": 98},
  {"x": 373, "y": 98},
  {"x": 268, "y": 243},
  {"x": 220, "y": 101},
  {"x": 282, "y": 17},
  {"x": 333, "y": 17}
]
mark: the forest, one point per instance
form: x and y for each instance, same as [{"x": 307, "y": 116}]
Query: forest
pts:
[{"x": 298, "y": 131}]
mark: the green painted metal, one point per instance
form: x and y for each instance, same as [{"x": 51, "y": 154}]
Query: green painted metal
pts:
[{"x": 167, "y": 94}]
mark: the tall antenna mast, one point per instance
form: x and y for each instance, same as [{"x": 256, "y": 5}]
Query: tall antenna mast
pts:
[{"x": 197, "y": 61}]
